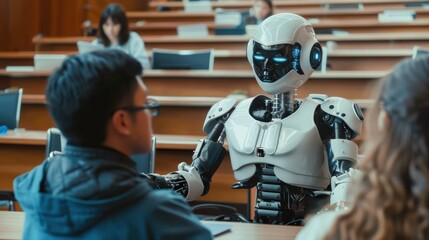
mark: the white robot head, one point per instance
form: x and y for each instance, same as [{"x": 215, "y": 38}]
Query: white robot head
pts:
[{"x": 283, "y": 53}]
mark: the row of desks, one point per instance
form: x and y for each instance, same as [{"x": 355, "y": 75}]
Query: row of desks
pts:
[
  {"x": 350, "y": 26},
  {"x": 321, "y": 14},
  {"x": 290, "y": 5},
  {"x": 347, "y": 84},
  {"x": 176, "y": 115},
  {"x": 338, "y": 59},
  {"x": 404, "y": 40}
]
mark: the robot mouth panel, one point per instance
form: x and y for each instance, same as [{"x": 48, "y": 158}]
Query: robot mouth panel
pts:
[
  {"x": 269, "y": 76},
  {"x": 268, "y": 79}
]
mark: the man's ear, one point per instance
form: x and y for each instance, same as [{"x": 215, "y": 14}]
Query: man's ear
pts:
[{"x": 121, "y": 122}]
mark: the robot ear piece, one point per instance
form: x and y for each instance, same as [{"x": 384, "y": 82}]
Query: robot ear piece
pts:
[
  {"x": 316, "y": 56},
  {"x": 249, "y": 52}
]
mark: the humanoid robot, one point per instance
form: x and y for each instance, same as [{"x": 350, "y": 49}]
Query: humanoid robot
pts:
[{"x": 290, "y": 149}]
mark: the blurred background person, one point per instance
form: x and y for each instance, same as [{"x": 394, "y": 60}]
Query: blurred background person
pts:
[
  {"x": 261, "y": 10},
  {"x": 113, "y": 32}
]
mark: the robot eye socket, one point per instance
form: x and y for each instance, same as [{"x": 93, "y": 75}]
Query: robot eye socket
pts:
[
  {"x": 259, "y": 57},
  {"x": 278, "y": 59},
  {"x": 315, "y": 56}
]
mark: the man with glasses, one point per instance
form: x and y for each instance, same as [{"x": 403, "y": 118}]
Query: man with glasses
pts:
[{"x": 92, "y": 190}]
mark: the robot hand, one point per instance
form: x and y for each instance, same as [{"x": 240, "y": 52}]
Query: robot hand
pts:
[{"x": 340, "y": 185}]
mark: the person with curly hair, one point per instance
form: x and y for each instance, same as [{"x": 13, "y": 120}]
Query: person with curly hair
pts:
[{"x": 390, "y": 196}]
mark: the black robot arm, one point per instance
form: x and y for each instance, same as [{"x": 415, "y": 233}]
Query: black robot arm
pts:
[{"x": 193, "y": 180}]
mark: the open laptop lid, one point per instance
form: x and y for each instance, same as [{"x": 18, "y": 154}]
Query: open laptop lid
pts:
[
  {"x": 86, "y": 47},
  {"x": 48, "y": 62}
]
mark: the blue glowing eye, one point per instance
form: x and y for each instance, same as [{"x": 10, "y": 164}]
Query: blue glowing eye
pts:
[
  {"x": 259, "y": 57},
  {"x": 279, "y": 59},
  {"x": 316, "y": 56}
]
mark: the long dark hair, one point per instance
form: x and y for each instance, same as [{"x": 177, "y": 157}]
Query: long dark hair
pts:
[
  {"x": 117, "y": 13},
  {"x": 391, "y": 199}
]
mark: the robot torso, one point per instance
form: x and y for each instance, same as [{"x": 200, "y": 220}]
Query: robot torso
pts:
[{"x": 292, "y": 145}]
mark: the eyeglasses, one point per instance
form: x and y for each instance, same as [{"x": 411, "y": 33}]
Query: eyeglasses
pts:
[{"x": 151, "y": 104}]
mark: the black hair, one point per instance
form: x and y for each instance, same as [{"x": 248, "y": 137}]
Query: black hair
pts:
[
  {"x": 270, "y": 5},
  {"x": 117, "y": 13},
  {"x": 85, "y": 91}
]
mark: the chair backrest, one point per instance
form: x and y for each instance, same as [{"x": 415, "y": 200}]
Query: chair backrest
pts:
[
  {"x": 10, "y": 110},
  {"x": 144, "y": 162},
  {"x": 55, "y": 142},
  {"x": 182, "y": 59},
  {"x": 7, "y": 198}
]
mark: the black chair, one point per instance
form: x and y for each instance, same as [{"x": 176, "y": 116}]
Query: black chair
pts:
[
  {"x": 7, "y": 198},
  {"x": 10, "y": 102},
  {"x": 55, "y": 143}
]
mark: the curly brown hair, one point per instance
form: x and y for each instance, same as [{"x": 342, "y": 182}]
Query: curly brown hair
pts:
[{"x": 391, "y": 199}]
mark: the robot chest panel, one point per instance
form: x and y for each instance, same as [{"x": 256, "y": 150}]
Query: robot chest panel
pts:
[{"x": 278, "y": 143}]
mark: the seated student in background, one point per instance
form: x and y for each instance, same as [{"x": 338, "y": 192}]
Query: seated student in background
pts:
[
  {"x": 113, "y": 32},
  {"x": 390, "y": 196},
  {"x": 92, "y": 190},
  {"x": 261, "y": 10}
]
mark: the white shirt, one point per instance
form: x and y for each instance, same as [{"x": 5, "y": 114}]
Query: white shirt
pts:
[
  {"x": 318, "y": 226},
  {"x": 134, "y": 47}
]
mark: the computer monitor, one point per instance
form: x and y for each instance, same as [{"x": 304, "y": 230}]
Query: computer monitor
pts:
[
  {"x": 10, "y": 110},
  {"x": 182, "y": 59}
]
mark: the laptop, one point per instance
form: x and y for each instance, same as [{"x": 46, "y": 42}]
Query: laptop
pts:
[
  {"x": 48, "y": 62},
  {"x": 86, "y": 47}
]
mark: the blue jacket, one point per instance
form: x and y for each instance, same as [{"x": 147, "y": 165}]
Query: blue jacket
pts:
[{"x": 96, "y": 193}]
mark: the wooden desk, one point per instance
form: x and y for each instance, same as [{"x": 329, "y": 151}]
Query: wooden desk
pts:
[
  {"x": 254, "y": 231},
  {"x": 287, "y": 5},
  {"x": 404, "y": 40},
  {"x": 12, "y": 224},
  {"x": 348, "y": 84},
  {"x": 351, "y": 26},
  {"x": 338, "y": 59},
  {"x": 25, "y": 58},
  {"x": 322, "y": 14},
  {"x": 22, "y": 151},
  {"x": 176, "y": 115}
]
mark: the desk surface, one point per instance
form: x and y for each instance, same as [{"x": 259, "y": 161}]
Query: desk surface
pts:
[
  {"x": 38, "y": 138},
  {"x": 11, "y": 226}
]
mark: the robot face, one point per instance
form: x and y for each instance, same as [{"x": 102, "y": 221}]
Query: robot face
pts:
[{"x": 273, "y": 62}]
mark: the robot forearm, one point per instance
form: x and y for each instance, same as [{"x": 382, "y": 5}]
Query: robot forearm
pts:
[
  {"x": 342, "y": 160},
  {"x": 193, "y": 180},
  {"x": 187, "y": 183},
  {"x": 342, "y": 155}
]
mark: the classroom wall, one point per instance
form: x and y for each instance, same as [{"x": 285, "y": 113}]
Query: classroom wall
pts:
[{"x": 21, "y": 20}]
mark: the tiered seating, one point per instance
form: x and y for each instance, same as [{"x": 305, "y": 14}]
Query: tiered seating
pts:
[{"x": 355, "y": 60}]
